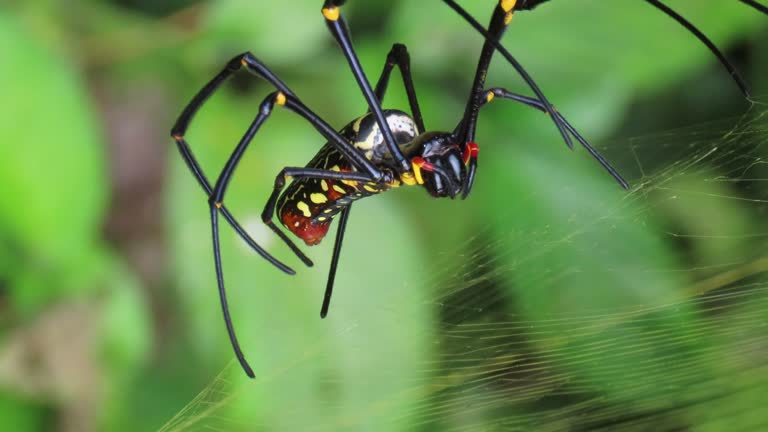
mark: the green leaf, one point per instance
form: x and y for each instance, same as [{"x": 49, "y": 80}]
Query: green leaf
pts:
[{"x": 51, "y": 168}]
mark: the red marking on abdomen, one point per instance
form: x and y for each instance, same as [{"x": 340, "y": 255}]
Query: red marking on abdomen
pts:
[
  {"x": 332, "y": 193},
  {"x": 311, "y": 233}
]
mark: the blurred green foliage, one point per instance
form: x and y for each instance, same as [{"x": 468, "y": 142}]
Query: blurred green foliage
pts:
[{"x": 545, "y": 237}]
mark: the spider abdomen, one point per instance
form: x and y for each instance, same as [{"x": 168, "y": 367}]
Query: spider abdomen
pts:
[{"x": 308, "y": 205}]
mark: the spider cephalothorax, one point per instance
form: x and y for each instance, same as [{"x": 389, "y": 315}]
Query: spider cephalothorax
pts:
[{"x": 380, "y": 150}]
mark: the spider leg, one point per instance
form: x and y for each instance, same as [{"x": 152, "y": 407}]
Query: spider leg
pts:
[
  {"x": 353, "y": 155},
  {"x": 335, "y": 260},
  {"x": 293, "y": 104},
  {"x": 755, "y": 5},
  {"x": 398, "y": 56},
  {"x": 338, "y": 29},
  {"x": 217, "y": 197},
  {"x": 193, "y": 166},
  {"x": 223, "y": 294},
  {"x": 705, "y": 40},
  {"x": 253, "y": 65},
  {"x": 247, "y": 60},
  {"x": 535, "y": 103},
  {"x": 313, "y": 173},
  {"x": 282, "y": 97},
  {"x": 269, "y": 211},
  {"x": 215, "y": 202},
  {"x": 501, "y": 18}
]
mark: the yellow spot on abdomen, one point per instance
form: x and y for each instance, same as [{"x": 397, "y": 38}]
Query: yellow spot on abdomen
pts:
[
  {"x": 370, "y": 189},
  {"x": 303, "y": 208},
  {"x": 318, "y": 198},
  {"x": 339, "y": 189},
  {"x": 324, "y": 185}
]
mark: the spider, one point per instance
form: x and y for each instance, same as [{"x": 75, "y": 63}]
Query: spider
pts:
[{"x": 381, "y": 150}]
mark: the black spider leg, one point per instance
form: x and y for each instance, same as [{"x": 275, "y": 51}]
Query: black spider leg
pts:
[
  {"x": 186, "y": 154},
  {"x": 253, "y": 65},
  {"x": 215, "y": 203},
  {"x": 339, "y": 30},
  {"x": 705, "y": 40},
  {"x": 528, "y": 4},
  {"x": 217, "y": 197},
  {"x": 496, "y": 28},
  {"x": 308, "y": 173},
  {"x": 283, "y": 96},
  {"x": 398, "y": 56},
  {"x": 342, "y": 228},
  {"x": 756, "y": 6},
  {"x": 316, "y": 173},
  {"x": 535, "y": 103}
]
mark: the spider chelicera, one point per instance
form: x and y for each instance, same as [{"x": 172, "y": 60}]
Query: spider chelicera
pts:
[{"x": 381, "y": 150}]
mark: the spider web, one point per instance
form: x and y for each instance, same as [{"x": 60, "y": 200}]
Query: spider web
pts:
[{"x": 639, "y": 355}]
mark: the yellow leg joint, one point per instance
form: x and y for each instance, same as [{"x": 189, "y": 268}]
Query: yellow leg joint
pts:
[
  {"x": 507, "y": 5},
  {"x": 331, "y": 13},
  {"x": 218, "y": 205},
  {"x": 553, "y": 110},
  {"x": 489, "y": 97},
  {"x": 280, "y": 98}
]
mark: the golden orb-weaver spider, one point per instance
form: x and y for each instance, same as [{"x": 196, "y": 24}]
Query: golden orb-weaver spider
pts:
[{"x": 379, "y": 151}]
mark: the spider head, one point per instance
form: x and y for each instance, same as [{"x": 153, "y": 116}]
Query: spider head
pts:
[{"x": 441, "y": 168}]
